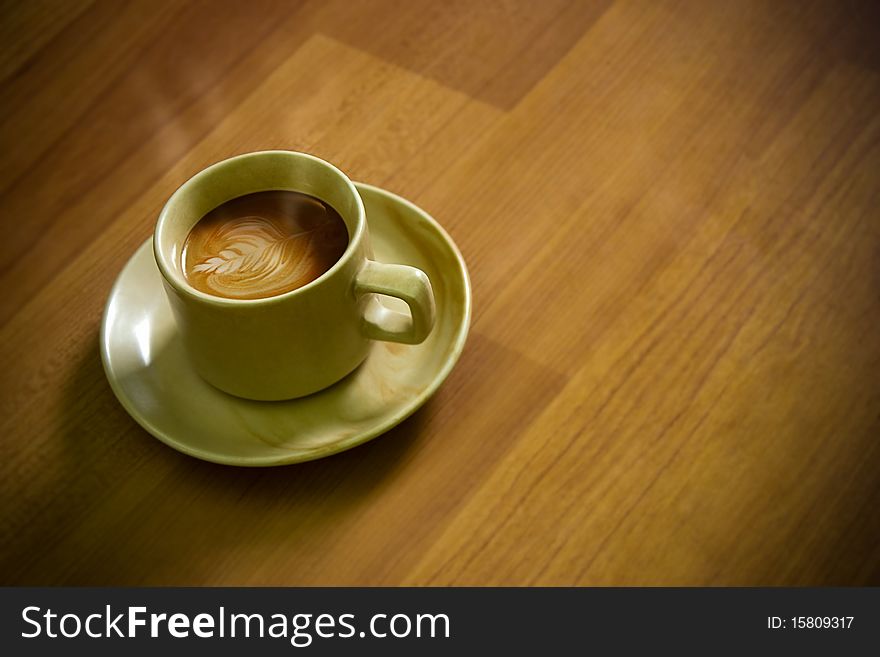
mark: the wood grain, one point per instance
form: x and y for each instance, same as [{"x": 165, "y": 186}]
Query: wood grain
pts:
[{"x": 670, "y": 215}]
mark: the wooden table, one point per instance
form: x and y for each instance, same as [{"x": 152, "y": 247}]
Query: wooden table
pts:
[{"x": 670, "y": 215}]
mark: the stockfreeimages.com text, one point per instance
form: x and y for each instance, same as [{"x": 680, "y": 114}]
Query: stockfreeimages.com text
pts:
[{"x": 300, "y": 629}]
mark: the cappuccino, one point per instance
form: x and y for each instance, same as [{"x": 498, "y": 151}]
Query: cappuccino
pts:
[{"x": 263, "y": 244}]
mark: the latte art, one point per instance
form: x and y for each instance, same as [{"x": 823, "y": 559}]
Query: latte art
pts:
[
  {"x": 263, "y": 244},
  {"x": 256, "y": 259}
]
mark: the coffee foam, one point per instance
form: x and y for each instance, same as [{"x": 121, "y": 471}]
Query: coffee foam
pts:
[{"x": 254, "y": 256}]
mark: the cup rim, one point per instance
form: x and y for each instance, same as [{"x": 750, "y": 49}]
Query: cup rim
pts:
[{"x": 181, "y": 285}]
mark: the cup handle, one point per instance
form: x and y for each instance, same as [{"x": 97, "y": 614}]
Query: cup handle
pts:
[{"x": 406, "y": 283}]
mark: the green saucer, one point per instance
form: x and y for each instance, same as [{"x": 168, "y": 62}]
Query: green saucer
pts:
[{"x": 149, "y": 372}]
